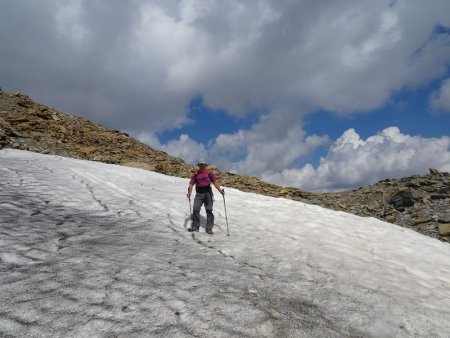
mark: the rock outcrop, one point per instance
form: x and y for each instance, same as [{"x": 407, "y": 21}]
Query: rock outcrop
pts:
[{"x": 421, "y": 203}]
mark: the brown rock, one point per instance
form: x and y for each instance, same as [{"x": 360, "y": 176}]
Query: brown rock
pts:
[
  {"x": 430, "y": 189},
  {"x": 45, "y": 115},
  {"x": 444, "y": 229},
  {"x": 391, "y": 219},
  {"x": 426, "y": 198},
  {"x": 283, "y": 192},
  {"x": 87, "y": 150},
  {"x": 422, "y": 219},
  {"x": 274, "y": 314},
  {"x": 413, "y": 184}
]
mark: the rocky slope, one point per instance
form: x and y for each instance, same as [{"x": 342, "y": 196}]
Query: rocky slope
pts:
[{"x": 418, "y": 202}]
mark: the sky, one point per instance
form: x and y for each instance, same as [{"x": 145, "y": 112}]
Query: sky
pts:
[
  {"x": 91, "y": 249},
  {"x": 319, "y": 95}
]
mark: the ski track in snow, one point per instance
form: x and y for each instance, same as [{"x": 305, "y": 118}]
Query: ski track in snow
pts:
[{"x": 90, "y": 249}]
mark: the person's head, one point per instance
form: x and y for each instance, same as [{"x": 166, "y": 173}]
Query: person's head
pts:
[{"x": 202, "y": 164}]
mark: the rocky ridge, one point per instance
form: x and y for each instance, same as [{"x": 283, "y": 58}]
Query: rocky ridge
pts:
[{"x": 421, "y": 203}]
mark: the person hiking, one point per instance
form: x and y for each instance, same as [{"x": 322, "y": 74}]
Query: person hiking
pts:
[{"x": 202, "y": 179}]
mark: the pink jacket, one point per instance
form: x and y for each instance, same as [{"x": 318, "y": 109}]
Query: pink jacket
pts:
[{"x": 202, "y": 179}]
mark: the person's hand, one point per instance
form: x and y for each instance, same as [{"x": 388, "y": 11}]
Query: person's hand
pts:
[
  {"x": 188, "y": 195},
  {"x": 222, "y": 191}
]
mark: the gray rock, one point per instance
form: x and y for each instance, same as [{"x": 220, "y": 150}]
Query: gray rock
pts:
[
  {"x": 434, "y": 171},
  {"x": 11, "y": 133},
  {"x": 315, "y": 202},
  {"x": 428, "y": 182},
  {"x": 413, "y": 184},
  {"x": 438, "y": 196},
  {"x": 402, "y": 200},
  {"x": 444, "y": 217}
]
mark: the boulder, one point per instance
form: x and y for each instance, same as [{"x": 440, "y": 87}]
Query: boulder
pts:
[
  {"x": 444, "y": 229},
  {"x": 444, "y": 217},
  {"x": 422, "y": 219},
  {"x": 402, "y": 199},
  {"x": 438, "y": 196},
  {"x": 11, "y": 133},
  {"x": 413, "y": 184},
  {"x": 43, "y": 114},
  {"x": 283, "y": 192},
  {"x": 434, "y": 171}
]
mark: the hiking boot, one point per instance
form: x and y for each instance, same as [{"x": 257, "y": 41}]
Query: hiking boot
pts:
[
  {"x": 209, "y": 231},
  {"x": 192, "y": 230}
]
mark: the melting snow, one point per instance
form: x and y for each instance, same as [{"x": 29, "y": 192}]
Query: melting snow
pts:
[{"x": 90, "y": 249}]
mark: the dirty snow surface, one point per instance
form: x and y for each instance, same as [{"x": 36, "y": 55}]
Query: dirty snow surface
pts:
[{"x": 97, "y": 250}]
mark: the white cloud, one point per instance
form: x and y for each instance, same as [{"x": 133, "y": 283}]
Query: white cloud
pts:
[
  {"x": 440, "y": 100},
  {"x": 277, "y": 141},
  {"x": 184, "y": 148},
  {"x": 135, "y": 65},
  {"x": 352, "y": 161},
  {"x": 343, "y": 56},
  {"x": 273, "y": 144}
]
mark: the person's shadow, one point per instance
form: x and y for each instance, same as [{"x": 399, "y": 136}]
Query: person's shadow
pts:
[{"x": 187, "y": 222}]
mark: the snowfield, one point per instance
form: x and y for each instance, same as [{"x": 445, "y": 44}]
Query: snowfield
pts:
[{"x": 95, "y": 250}]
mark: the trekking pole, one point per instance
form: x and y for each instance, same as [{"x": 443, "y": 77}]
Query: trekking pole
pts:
[
  {"x": 190, "y": 208},
  {"x": 225, "y": 207}
]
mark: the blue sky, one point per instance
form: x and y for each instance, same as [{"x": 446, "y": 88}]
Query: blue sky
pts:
[
  {"x": 316, "y": 94},
  {"x": 408, "y": 110},
  {"x": 206, "y": 123}
]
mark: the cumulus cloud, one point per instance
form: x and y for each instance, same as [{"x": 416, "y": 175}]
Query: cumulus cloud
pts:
[
  {"x": 185, "y": 148},
  {"x": 440, "y": 100},
  {"x": 352, "y": 161},
  {"x": 272, "y": 144}
]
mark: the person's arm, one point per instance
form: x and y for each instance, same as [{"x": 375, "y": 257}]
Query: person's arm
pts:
[
  {"x": 191, "y": 184},
  {"x": 216, "y": 184},
  {"x": 214, "y": 181},
  {"x": 189, "y": 191}
]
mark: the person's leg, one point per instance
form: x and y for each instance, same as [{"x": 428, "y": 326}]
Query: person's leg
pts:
[
  {"x": 198, "y": 202},
  {"x": 209, "y": 210}
]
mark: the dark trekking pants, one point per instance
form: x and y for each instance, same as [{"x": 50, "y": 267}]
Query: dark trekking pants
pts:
[{"x": 201, "y": 198}]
